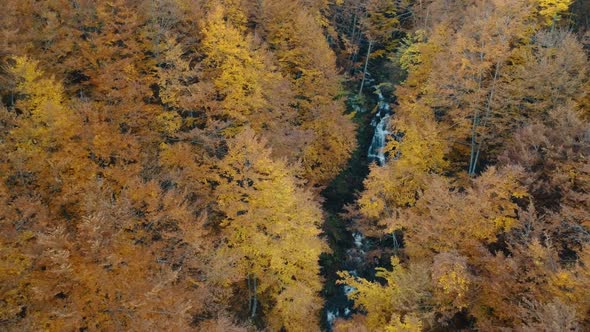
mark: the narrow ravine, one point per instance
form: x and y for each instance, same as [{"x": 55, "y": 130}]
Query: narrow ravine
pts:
[{"x": 350, "y": 247}]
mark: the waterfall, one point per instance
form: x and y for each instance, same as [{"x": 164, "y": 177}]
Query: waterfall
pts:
[
  {"x": 331, "y": 316},
  {"x": 358, "y": 239},
  {"x": 381, "y": 124}
]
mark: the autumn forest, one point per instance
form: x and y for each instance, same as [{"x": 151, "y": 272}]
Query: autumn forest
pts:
[{"x": 295, "y": 165}]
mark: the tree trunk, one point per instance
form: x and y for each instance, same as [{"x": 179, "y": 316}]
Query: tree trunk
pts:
[
  {"x": 352, "y": 37},
  {"x": 486, "y": 117},
  {"x": 249, "y": 294},
  {"x": 366, "y": 64},
  {"x": 254, "y": 299},
  {"x": 475, "y": 122}
]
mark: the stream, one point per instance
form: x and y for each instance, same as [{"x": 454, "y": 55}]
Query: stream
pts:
[{"x": 350, "y": 249}]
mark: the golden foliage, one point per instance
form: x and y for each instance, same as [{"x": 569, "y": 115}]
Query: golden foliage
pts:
[
  {"x": 396, "y": 305},
  {"x": 271, "y": 227}
]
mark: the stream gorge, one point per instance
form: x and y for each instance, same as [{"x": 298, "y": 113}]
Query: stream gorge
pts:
[{"x": 352, "y": 251}]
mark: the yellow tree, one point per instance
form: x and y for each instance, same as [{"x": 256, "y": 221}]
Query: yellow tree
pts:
[
  {"x": 236, "y": 68},
  {"x": 381, "y": 22},
  {"x": 551, "y": 10},
  {"x": 271, "y": 233},
  {"x": 48, "y": 140},
  {"x": 241, "y": 84},
  {"x": 570, "y": 284},
  {"x": 401, "y": 304},
  {"x": 548, "y": 74},
  {"x": 445, "y": 219},
  {"x": 293, "y": 32}
]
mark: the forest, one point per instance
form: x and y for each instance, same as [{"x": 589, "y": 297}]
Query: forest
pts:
[{"x": 295, "y": 165}]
